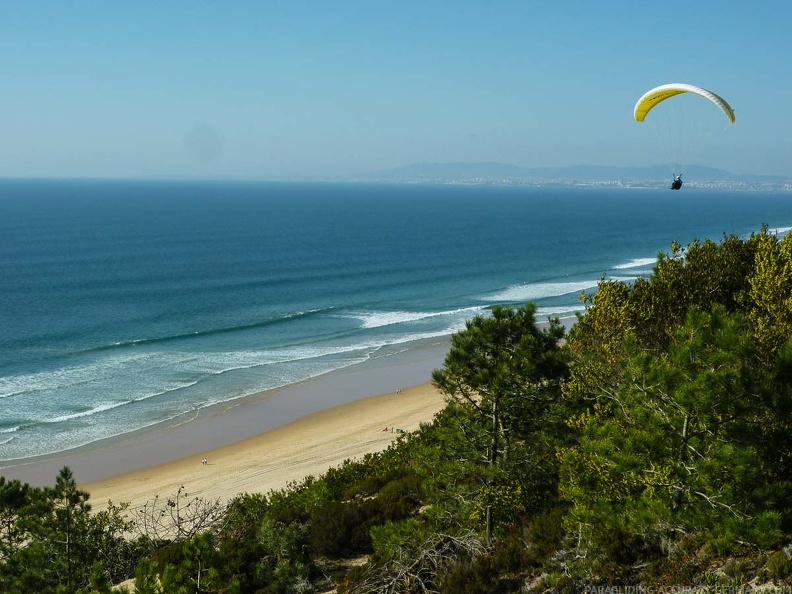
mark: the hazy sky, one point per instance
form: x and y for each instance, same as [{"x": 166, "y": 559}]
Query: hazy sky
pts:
[{"x": 315, "y": 88}]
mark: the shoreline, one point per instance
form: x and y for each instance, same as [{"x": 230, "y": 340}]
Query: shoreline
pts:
[
  {"x": 308, "y": 446},
  {"x": 314, "y": 424},
  {"x": 233, "y": 422}
]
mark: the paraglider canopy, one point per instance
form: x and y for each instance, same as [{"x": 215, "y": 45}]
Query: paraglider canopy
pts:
[{"x": 659, "y": 94}]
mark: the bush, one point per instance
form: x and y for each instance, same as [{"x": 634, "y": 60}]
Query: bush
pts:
[
  {"x": 477, "y": 576},
  {"x": 545, "y": 535},
  {"x": 399, "y": 498},
  {"x": 339, "y": 529},
  {"x": 510, "y": 554},
  {"x": 779, "y": 566}
]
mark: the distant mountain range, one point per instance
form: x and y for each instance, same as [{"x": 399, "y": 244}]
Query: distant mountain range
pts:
[{"x": 464, "y": 171}]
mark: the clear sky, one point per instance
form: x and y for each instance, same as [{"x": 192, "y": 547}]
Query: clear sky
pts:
[{"x": 273, "y": 88}]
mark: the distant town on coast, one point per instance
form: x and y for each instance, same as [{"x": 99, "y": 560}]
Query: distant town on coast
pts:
[{"x": 697, "y": 176}]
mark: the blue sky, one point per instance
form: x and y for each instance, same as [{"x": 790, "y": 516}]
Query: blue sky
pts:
[{"x": 289, "y": 88}]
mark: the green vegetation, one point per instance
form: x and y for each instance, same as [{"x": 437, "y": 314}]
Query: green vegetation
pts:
[{"x": 652, "y": 445}]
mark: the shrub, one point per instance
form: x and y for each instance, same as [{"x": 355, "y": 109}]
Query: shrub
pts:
[
  {"x": 545, "y": 535},
  {"x": 477, "y": 576},
  {"x": 779, "y": 566}
]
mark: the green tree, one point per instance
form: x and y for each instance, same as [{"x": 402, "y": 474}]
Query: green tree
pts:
[
  {"x": 24, "y": 566},
  {"x": 146, "y": 579},
  {"x": 650, "y": 310},
  {"x": 107, "y": 541},
  {"x": 53, "y": 539},
  {"x": 101, "y": 584},
  {"x": 673, "y": 449},
  {"x": 506, "y": 373},
  {"x": 68, "y": 531},
  {"x": 596, "y": 344},
  {"x": 699, "y": 275},
  {"x": 14, "y": 496},
  {"x": 770, "y": 293}
]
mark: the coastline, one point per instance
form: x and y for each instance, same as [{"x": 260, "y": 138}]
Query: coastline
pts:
[
  {"x": 306, "y": 447},
  {"x": 230, "y": 424}
]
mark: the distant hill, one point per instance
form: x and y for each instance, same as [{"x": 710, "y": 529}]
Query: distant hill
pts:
[{"x": 488, "y": 171}]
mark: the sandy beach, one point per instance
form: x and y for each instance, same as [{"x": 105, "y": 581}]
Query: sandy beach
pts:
[
  {"x": 307, "y": 446},
  {"x": 257, "y": 443},
  {"x": 294, "y": 415}
]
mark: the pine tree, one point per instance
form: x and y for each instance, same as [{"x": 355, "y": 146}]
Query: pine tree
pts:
[{"x": 506, "y": 373}]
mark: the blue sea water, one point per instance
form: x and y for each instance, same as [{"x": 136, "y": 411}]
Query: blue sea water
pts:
[{"x": 124, "y": 304}]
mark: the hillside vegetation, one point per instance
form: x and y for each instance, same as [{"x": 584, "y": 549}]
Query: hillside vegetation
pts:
[{"x": 650, "y": 446}]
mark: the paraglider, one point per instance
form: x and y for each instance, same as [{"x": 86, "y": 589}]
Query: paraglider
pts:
[
  {"x": 659, "y": 94},
  {"x": 677, "y": 130}
]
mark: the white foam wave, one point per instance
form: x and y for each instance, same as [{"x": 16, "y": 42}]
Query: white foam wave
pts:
[
  {"x": 65, "y": 440},
  {"x": 86, "y": 413},
  {"x": 636, "y": 263},
  {"x": 256, "y": 359},
  {"x": 533, "y": 291},
  {"x": 379, "y": 319},
  {"x": 780, "y": 230},
  {"x": 170, "y": 390},
  {"x": 560, "y": 311},
  {"x": 68, "y": 377}
]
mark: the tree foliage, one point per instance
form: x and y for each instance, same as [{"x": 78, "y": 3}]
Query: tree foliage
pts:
[
  {"x": 53, "y": 542},
  {"x": 673, "y": 449},
  {"x": 505, "y": 373},
  {"x": 683, "y": 388}
]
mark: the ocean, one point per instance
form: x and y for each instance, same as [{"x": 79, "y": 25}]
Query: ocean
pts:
[{"x": 126, "y": 304}]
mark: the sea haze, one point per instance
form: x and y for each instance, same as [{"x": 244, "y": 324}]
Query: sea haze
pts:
[{"x": 127, "y": 304}]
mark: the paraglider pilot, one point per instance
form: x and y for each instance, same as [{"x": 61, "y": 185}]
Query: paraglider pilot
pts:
[{"x": 677, "y": 183}]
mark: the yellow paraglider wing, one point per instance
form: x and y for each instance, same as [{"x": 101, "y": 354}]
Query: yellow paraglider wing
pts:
[{"x": 663, "y": 92}]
